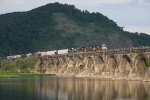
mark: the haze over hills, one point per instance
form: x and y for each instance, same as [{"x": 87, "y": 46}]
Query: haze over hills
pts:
[{"x": 58, "y": 26}]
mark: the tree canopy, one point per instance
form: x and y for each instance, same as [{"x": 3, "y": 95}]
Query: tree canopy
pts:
[{"x": 57, "y": 26}]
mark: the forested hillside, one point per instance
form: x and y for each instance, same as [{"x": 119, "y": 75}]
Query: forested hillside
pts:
[{"x": 57, "y": 26}]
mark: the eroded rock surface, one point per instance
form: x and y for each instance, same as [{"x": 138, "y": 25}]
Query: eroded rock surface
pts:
[{"x": 130, "y": 66}]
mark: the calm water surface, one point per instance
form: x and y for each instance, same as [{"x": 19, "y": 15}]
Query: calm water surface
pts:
[{"x": 54, "y": 88}]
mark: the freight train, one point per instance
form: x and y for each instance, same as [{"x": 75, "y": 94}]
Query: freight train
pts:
[{"x": 96, "y": 48}]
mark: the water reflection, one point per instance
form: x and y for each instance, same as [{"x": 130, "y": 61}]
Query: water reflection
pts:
[{"x": 54, "y": 88}]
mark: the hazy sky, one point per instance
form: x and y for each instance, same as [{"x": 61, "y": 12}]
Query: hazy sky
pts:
[{"x": 134, "y": 15}]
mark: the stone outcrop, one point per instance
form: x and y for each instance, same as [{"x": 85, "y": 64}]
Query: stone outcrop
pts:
[{"x": 130, "y": 66}]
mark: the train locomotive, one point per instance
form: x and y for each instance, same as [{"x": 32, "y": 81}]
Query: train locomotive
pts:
[{"x": 96, "y": 48}]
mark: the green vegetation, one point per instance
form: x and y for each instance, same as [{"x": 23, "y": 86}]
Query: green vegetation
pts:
[
  {"x": 148, "y": 62},
  {"x": 57, "y": 26},
  {"x": 24, "y": 65},
  {"x": 22, "y": 75}
]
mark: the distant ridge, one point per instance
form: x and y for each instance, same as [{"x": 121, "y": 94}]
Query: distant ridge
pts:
[{"x": 57, "y": 26}]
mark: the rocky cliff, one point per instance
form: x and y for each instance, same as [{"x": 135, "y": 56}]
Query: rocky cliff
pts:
[{"x": 131, "y": 66}]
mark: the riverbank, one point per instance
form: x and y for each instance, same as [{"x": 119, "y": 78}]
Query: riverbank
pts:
[
  {"x": 22, "y": 75},
  {"x": 33, "y": 75}
]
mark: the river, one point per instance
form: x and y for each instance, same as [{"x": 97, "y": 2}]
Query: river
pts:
[{"x": 61, "y": 88}]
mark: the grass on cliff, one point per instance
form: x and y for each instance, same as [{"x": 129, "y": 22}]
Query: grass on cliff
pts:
[
  {"x": 22, "y": 75},
  {"x": 23, "y": 65},
  {"x": 19, "y": 68},
  {"x": 148, "y": 62}
]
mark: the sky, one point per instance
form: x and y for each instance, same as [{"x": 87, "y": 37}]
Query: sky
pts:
[{"x": 133, "y": 15}]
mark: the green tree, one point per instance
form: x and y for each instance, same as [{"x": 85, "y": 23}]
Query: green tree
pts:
[{"x": 7, "y": 65}]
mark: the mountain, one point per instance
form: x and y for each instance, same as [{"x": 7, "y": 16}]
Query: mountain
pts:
[{"x": 57, "y": 26}]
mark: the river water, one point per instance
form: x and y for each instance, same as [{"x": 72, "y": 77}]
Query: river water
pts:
[{"x": 60, "y": 88}]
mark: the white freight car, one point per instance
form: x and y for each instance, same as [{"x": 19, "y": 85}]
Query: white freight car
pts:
[
  {"x": 17, "y": 56},
  {"x": 29, "y": 54},
  {"x": 63, "y": 51},
  {"x": 43, "y": 53},
  {"x": 13, "y": 57},
  {"x": 9, "y": 57},
  {"x": 50, "y": 53}
]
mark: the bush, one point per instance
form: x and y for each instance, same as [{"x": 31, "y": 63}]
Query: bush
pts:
[
  {"x": 21, "y": 64},
  {"x": 7, "y": 65},
  {"x": 148, "y": 62},
  {"x": 25, "y": 64}
]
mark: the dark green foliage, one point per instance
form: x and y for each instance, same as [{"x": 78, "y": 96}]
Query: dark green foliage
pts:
[
  {"x": 7, "y": 65},
  {"x": 57, "y": 26},
  {"x": 147, "y": 62},
  {"x": 25, "y": 64},
  {"x": 18, "y": 65}
]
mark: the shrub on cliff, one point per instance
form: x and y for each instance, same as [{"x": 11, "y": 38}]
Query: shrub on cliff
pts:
[
  {"x": 18, "y": 65},
  {"x": 25, "y": 64},
  {"x": 148, "y": 62},
  {"x": 7, "y": 65}
]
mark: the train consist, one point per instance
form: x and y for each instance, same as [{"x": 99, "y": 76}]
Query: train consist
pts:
[
  {"x": 102, "y": 49},
  {"x": 96, "y": 48}
]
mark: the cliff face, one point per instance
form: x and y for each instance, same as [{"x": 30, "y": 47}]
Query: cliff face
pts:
[{"x": 118, "y": 66}]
